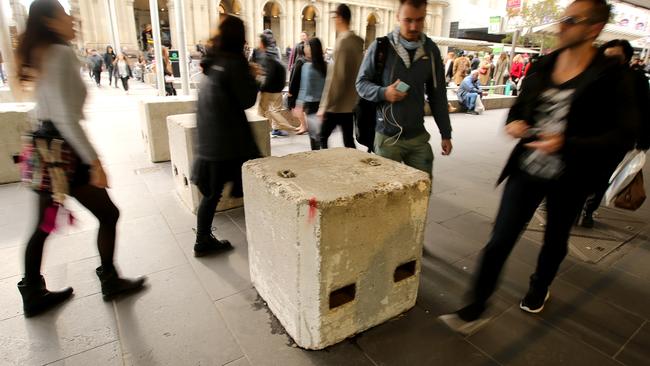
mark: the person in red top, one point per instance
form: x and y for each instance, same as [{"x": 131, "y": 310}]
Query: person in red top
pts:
[{"x": 516, "y": 71}]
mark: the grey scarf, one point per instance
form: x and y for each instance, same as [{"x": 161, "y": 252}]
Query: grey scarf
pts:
[{"x": 402, "y": 46}]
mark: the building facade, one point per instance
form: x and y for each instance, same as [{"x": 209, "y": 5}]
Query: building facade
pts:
[{"x": 287, "y": 19}]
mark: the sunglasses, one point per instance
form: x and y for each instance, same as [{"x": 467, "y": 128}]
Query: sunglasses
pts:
[{"x": 571, "y": 20}]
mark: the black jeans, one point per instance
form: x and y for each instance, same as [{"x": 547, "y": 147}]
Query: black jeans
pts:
[
  {"x": 125, "y": 83},
  {"x": 521, "y": 197},
  {"x": 97, "y": 201},
  {"x": 169, "y": 89},
  {"x": 97, "y": 74},
  {"x": 208, "y": 206},
  {"x": 110, "y": 69},
  {"x": 330, "y": 121}
]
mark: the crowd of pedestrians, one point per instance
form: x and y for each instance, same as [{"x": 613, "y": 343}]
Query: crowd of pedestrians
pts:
[{"x": 579, "y": 110}]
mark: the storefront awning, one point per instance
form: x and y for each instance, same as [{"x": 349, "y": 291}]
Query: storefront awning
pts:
[
  {"x": 465, "y": 44},
  {"x": 506, "y": 48},
  {"x": 610, "y": 32}
]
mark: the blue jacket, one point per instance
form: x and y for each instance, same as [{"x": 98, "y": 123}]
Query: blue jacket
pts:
[
  {"x": 312, "y": 83},
  {"x": 468, "y": 86},
  {"x": 425, "y": 76}
]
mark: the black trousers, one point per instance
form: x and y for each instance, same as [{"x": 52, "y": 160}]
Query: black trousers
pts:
[
  {"x": 330, "y": 121},
  {"x": 110, "y": 69},
  {"x": 97, "y": 201},
  {"x": 169, "y": 89},
  {"x": 125, "y": 83},
  {"x": 521, "y": 197},
  {"x": 97, "y": 74}
]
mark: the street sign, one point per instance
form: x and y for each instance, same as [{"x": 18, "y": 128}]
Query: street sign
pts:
[{"x": 495, "y": 25}]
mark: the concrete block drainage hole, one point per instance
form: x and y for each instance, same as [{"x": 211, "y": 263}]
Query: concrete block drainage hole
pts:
[
  {"x": 404, "y": 271},
  {"x": 342, "y": 296}
]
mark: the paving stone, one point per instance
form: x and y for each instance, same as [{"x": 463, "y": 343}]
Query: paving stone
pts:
[
  {"x": 221, "y": 274},
  {"x": 441, "y": 209},
  {"x": 11, "y": 261},
  {"x": 418, "y": 338},
  {"x": 134, "y": 201},
  {"x": 77, "y": 326},
  {"x": 617, "y": 287},
  {"x": 527, "y": 251},
  {"x": 146, "y": 245},
  {"x": 518, "y": 338},
  {"x": 107, "y": 355},
  {"x": 179, "y": 218},
  {"x": 265, "y": 342},
  {"x": 241, "y": 362},
  {"x": 174, "y": 322},
  {"x": 588, "y": 318},
  {"x": 471, "y": 225},
  {"x": 238, "y": 216},
  {"x": 637, "y": 350},
  {"x": 448, "y": 245},
  {"x": 636, "y": 260}
]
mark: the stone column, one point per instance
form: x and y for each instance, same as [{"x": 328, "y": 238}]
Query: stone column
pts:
[
  {"x": 332, "y": 36},
  {"x": 290, "y": 17},
  {"x": 326, "y": 25},
  {"x": 437, "y": 20},
  {"x": 250, "y": 24},
  {"x": 171, "y": 9},
  {"x": 213, "y": 11},
  {"x": 359, "y": 17}
]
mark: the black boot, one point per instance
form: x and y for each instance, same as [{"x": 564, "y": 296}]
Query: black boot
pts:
[
  {"x": 207, "y": 244},
  {"x": 113, "y": 285},
  {"x": 587, "y": 220},
  {"x": 37, "y": 299}
]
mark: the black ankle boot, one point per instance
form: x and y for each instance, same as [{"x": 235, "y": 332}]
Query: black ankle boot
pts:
[
  {"x": 207, "y": 244},
  {"x": 113, "y": 285},
  {"x": 37, "y": 299},
  {"x": 587, "y": 220}
]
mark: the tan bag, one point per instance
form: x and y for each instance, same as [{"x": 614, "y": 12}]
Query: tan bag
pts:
[
  {"x": 285, "y": 119},
  {"x": 633, "y": 196}
]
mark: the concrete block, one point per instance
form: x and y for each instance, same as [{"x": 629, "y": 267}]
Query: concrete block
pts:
[
  {"x": 182, "y": 138},
  {"x": 153, "y": 117},
  {"x": 334, "y": 240},
  {"x": 14, "y": 122}
]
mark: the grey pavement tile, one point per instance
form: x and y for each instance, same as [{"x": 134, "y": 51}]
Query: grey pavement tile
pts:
[
  {"x": 417, "y": 338},
  {"x": 471, "y": 225},
  {"x": 11, "y": 261},
  {"x": 178, "y": 216},
  {"x": 61, "y": 249},
  {"x": 14, "y": 193},
  {"x": 134, "y": 201},
  {"x": 174, "y": 322},
  {"x": 107, "y": 355},
  {"x": 238, "y": 216},
  {"x": 159, "y": 181},
  {"x": 518, "y": 338},
  {"x": 146, "y": 245},
  {"x": 79, "y": 275},
  {"x": 527, "y": 251},
  {"x": 265, "y": 342},
  {"x": 79, "y": 325},
  {"x": 617, "y": 287},
  {"x": 442, "y": 209},
  {"x": 447, "y": 244},
  {"x": 241, "y": 362},
  {"x": 636, "y": 260},
  {"x": 221, "y": 274},
  {"x": 637, "y": 351},
  {"x": 589, "y": 318}
]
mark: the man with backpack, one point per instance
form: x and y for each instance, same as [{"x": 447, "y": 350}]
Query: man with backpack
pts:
[
  {"x": 396, "y": 77},
  {"x": 95, "y": 62},
  {"x": 272, "y": 83}
]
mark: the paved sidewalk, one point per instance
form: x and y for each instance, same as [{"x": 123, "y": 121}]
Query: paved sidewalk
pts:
[{"x": 205, "y": 311}]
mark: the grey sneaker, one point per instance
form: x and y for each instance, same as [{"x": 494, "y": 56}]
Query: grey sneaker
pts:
[{"x": 458, "y": 325}]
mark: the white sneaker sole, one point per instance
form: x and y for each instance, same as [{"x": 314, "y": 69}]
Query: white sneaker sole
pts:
[
  {"x": 458, "y": 325},
  {"x": 535, "y": 311}
]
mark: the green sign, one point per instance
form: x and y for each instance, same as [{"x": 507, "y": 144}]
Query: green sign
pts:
[
  {"x": 173, "y": 55},
  {"x": 495, "y": 25}
]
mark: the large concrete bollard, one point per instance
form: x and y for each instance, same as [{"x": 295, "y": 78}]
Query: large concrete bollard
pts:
[
  {"x": 334, "y": 240},
  {"x": 182, "y": 139},
  {"x": 14, "y": 122},
  {"x": 153, "y": 116}
]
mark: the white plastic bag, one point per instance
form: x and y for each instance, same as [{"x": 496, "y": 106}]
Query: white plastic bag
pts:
[
  {"x": 632, "y": 164},
  {"x": 479, "y": 107}
]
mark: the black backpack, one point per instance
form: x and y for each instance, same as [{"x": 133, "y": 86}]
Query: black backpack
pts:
[
  {"x": 365, "y": 113},
  {"x": 276, "y": 76}
]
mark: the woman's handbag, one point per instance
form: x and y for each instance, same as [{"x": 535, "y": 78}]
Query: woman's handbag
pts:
[
  {"x": 626, "y": 188},
  {"x": 632, "y": 196}
]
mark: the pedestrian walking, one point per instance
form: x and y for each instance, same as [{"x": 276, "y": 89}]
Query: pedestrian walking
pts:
[
  {"x": 95, "y": 63},
  {"x": 574, "y": 110},
  {"x": 312, "y": 82},
  {"x": 168, "y": 73},
  {"x": 272, "y": 82},
  {"x": 294, "y": 86},
  {"x": 413, "y": 68},
  {"x": 109, "y": 61},
  {"x": 340, "y": 96},
  {"x": 502, "y": 72},
  {"x": 47, "y": 61},
  {"x": 461, "y": 68},
  {"x": 123, "y": 71},
  {"x": 225, "y": 140}
]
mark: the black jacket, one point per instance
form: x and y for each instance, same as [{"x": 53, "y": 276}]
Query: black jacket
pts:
[
  {"x": 601, "y": 122},
  {"x": 642, "y": 93},
  {"x": 224, "y": 94},
  {"x": 294, "y": 82},
  {"x": 109, "y": 58}
]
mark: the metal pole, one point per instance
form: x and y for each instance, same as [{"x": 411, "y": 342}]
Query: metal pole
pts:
[
  {"x": 515, "y": 38},
  {"x": 157, "y": 46},
  {"x": 8, "y": 54},
  {"x": 115, "y": 32},
  {"x": 182, "y": 45}
]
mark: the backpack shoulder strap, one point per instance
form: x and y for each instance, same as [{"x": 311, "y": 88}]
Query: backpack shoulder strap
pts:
[{"x": 381, "y": 53}]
